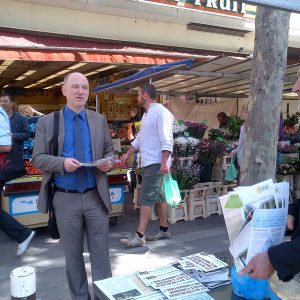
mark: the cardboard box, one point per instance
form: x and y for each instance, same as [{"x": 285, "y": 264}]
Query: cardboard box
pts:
[{"x": 23, "y": 207}]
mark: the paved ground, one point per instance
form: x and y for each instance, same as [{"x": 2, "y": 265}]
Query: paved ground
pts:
[{"x": 47, "y": 257}]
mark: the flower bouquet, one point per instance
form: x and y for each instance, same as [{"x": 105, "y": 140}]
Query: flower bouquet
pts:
[
  {"x": 178, "y": 129},
  {"x": 289, "y": 149},
  {"x": 286, "y": 169},
  {"x": 186, "y": 177},
  {"x": 218, "y": 134},
  {"x": 192, "y": 144},
  {"x": 180, "y": 147},
  {"x": 209, "y": 150},
  {"x": 195, "y": 129}
]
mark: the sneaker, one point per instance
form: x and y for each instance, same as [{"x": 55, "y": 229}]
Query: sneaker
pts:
[
  {"x": 158, "y": 235},
  {"x": 24, "y": 245},
  {"x": 133, "y": 241}
]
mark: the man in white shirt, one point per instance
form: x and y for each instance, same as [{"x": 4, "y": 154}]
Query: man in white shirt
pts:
[
  {"x": 8, "y": 224},
  {"x": 155, "y": 143}
]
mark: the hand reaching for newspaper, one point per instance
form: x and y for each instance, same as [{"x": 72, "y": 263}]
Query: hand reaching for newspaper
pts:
[
  {"x": 290, "y": 222},
  {"x": 259, "y": 267}
]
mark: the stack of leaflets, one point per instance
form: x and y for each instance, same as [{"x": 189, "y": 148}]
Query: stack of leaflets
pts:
[
  {"x": 206, "y": 268},
  {"x": 255, "y": 218}
]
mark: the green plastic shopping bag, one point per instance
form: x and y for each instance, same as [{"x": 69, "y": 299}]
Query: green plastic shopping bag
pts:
[
  {"x": 171, "y": 190},
  {"x": 231, "y": 172}
]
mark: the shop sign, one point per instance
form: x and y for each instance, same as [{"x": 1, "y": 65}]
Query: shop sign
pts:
[
  {"x": 289, "y": 5},
  {"x": 116, "y": 194},
  {"x": 219, "y": 5},
  {"x": 22, "y": 204}
]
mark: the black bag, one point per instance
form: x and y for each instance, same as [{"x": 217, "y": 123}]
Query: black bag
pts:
[
  {"x": 11, "y": 165},
  {"x": 52, "y": 225}
]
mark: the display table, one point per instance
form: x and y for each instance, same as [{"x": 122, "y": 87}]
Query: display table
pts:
[
  {"x": 20, "y": 198},
  {"x": 220, "y": 293}
]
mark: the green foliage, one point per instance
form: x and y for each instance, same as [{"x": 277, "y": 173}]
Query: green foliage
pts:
[{"x": 233, "y": 126}]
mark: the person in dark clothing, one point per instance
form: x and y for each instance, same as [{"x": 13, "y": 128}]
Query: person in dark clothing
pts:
[
  {"x": 283, "y": 258},
  {"x": 132, "y": 122},
  {"x": 8, "y": 224},
  {"x": 18, "y": 123},
  {"x": 223, "y": 119}
]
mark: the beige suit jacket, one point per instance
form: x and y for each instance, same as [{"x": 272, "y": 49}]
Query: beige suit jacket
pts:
[{"x": 49, "y": 164}]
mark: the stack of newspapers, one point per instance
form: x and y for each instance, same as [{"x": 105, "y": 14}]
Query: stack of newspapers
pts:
[
  {"x": 189, "y": 279},
  {"x": 255, "y": 218},
  {"x": 206, "y": 268}
]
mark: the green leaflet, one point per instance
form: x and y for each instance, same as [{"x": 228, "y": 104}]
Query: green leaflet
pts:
[{"x": 234, "y": 201}]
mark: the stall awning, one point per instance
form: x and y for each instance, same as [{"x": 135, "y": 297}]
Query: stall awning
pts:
[
  {"x": 150, "y": 74},
  {"x": 25, "y": 46},
  {"x": 223, "y": 76}
]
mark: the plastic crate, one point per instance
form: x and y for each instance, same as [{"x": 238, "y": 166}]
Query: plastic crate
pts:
[
  {"x": 213, "y": 205},
  {"x": 178, "y": 213},
  {"x": 196, "y": 203},
  {"x": 228, "y": 187},
  {"x": 184, "y": 162}
]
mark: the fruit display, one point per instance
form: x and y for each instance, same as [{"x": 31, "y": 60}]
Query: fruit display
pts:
[
  {"x": 30, "y": 169},
  {"x": 119, "y": 167}
]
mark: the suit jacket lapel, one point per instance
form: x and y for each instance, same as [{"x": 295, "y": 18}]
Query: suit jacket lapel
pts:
[
  {"x": 92, "y": 127},
  {"x": 61, "y": 135}
]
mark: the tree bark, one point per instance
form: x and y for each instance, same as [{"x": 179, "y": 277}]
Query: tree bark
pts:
[{"x": 265, "y": 97}]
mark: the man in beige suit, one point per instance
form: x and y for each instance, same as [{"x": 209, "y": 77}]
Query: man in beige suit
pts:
[{"x": 81, "y": 201}]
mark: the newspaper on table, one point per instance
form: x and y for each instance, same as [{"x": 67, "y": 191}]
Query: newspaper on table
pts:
[
  {"x": 169, "y": 281},
  {"x": 203, "y": 262},
  {"x": 206, "y": 268},
  {"x": 147, "y": 276},
  {"x": 255, "y": 218},
  {"x": 158, "y": 295},
  {"x": 99, "y": 162},
  {"x": 184, "y": 290},
  {"x": 211, "y": 280},
  {"x": 123, "y": 287}
]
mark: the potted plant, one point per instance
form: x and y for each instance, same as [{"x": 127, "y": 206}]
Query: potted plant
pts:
[
  {"x": 192, "y": 144},
  {"x": 286, "y": 169},
  {"x": 180, "y": 146},
  {"x": 209, "y": 150},
  {"x": 233, "y": 126},
  {"x": 186, "y": 177},
  {"x": 179, "y": 129},
  {"x": 196, "y": 129},
  {"x": 290, "y": 122}
]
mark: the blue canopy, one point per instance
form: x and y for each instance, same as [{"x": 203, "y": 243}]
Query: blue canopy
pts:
[{"x": 154, "y": 73}]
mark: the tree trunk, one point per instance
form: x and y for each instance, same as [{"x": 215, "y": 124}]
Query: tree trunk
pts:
[{"x": 266, "y": 85}]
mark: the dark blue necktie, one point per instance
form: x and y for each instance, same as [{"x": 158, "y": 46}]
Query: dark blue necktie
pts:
[{"x": 81, "y": 179}]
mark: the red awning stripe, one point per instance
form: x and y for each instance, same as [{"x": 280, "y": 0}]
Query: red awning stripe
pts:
[
  {"x": 23, "y": 46},
  {"x": 84, "y": 56}
]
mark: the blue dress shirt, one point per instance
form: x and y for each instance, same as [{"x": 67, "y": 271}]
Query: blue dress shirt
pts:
[{"x": 68, "y": 181}]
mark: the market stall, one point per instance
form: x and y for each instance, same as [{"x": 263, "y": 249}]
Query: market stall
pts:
[{"x": 20, "y": 198}]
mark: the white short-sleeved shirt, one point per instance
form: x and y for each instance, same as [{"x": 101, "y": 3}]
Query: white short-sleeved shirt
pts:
[
  {"x": 155, "y": 135},
  {"x": 5, "y": 136}
]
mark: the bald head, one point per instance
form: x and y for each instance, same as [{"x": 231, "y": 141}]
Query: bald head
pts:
[{"x": 76, "y": 90}]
